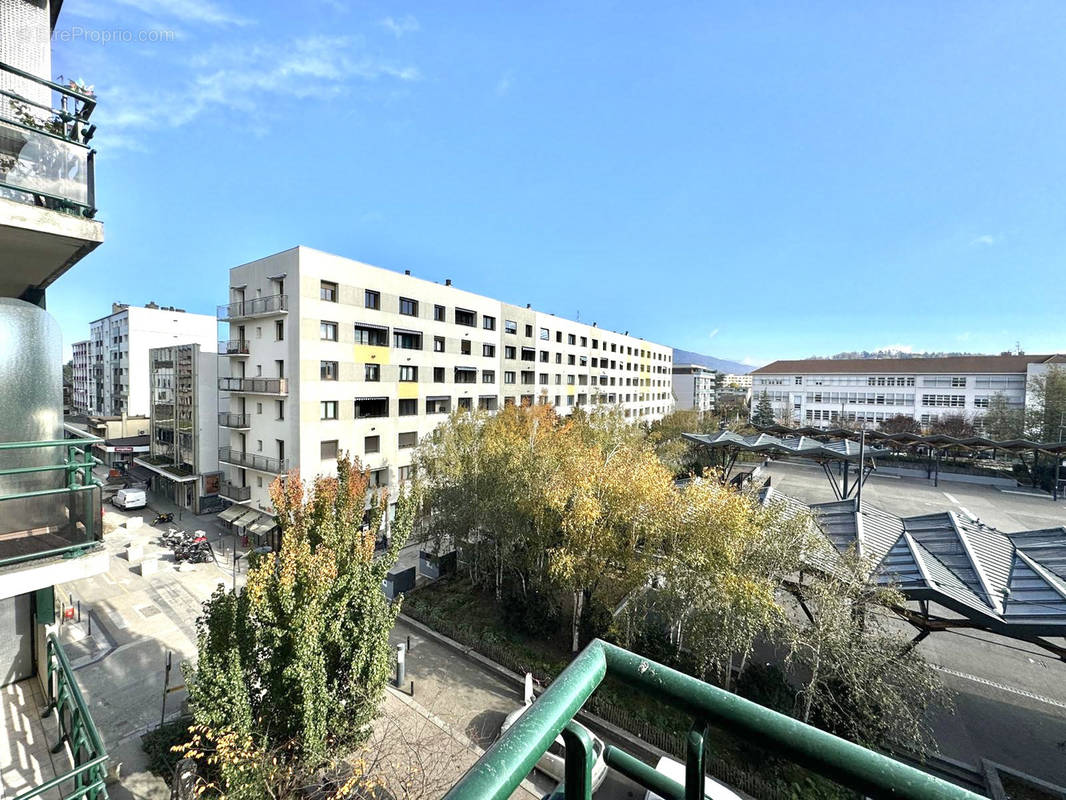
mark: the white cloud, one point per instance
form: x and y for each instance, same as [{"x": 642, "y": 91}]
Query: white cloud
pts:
[
  {"x": 897, "y": 348},
  {"x": 503, "y": 85},
  {"x": 989, "y": 240},
  {"x": 712, "y": 334},
  {"x": 202, "y": 11},
  {"x": 402, "y": 26},
  {"x": 963, "y": 337},
  {"x": 748, "y": 361}
]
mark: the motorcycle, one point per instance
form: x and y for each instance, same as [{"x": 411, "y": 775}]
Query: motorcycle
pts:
[{"x": 163, "y": 518}]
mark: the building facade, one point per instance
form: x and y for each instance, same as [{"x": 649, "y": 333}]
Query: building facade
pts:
[
  {"x": 694, "y": 387},
  {"x": 118, "y": 352},
  {"x": 734, "y": 381},
  {"x": 329, "y": 355},
  {"x": 821, "y": 392},
  {"x": 79, "y": 401},
  {"x": 184, "y": 426}
]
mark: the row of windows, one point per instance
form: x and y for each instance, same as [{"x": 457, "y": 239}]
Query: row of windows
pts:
[
  {"x": 949, "y": 381},
  {"x": 376, "y": 407},
  {"x": 944, "y": 400},
  {"x": 864, "y": 398}
]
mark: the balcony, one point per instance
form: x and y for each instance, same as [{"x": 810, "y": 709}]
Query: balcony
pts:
[
  {"x": 234, "y": 347},
  {"x": 253, "y": 461},
  {"x": 254, "y": 385},
  {"x": 236, "y": 421},
  {"x": 256, "y": 307},
  {"x": 238, "y": 494},
  {"x": 29, "y": 736},
  {"x": 49, "y": 503},
  {"x": 503, "y": 766},
  {"x": 47, "y": 188}
]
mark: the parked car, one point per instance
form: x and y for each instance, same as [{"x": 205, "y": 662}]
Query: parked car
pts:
[
  {"x": 712, "y": 789},
  {"x": 553, "y": 762},
  {"x": 128, "y": 499}
]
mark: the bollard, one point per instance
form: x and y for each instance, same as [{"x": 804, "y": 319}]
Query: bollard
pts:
[
  {"x": 79, "y": 611},
  {"x": 89, "y": 617},
  {"x": 412, "y": 688},
  {"x": 408, "y": 642},
  {"x": 401, "y": 670}
]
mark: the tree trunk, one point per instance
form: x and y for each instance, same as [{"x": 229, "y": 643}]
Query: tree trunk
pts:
[
  {"x": 808, "y": 701},
  {"x": 499, "y": 574},
  {"x": 579, "y": 606}
]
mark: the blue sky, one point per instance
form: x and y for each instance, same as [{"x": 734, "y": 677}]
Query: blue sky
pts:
[{"x": 748, "y": 180}]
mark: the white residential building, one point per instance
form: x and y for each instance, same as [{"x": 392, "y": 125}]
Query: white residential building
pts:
[
  {"x": 331, "y": 355},
  {"x": 79, "y": 400},
  {"x": 734, "y": 381},
  {"x": 694, "y": 386},
  {"x": 818, "y": 391},
  {"x": 118, "y": 352}
]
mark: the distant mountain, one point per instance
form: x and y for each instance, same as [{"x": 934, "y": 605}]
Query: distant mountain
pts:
[
  {"x": 894, "y": 354},
  {"x": 720, "y": 364}
]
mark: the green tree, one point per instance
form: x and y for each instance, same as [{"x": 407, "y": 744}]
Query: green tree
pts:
[
  {"x": 291, "y": 668},
  {"x": 901, "y": 423},
  {"x": 958, "y": 425},
  {"x": 764, "y": 411},
  {"x": 1002, "y": 421},
  {"x": 1046, "y": 405}
]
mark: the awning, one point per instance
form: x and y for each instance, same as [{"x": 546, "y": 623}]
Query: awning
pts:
[
  {"x": 466, "y": 369},
  {"x": 139, "y": 473},
  {"x": 232, "y": 513},
  {"x": 262, "y": 526},
  {"x": 246, "y": 519},
  {"x": 372, "y": 327},
  {"x": 406, "y": 330},
  {"x": 487, "y": 396},
  {"x": 437, "y": 399},
  {"x": 367, "y": 399}
]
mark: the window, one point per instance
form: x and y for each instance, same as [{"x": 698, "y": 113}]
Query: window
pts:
[
  {"x": 407, "y": 439},
  {"x": 372, "y": 299},
  {"x": 464, "y": 347},
  {"x": 584, "y": 341},
  {"x": 508, "y": 351},
  {"x": 407, "y": 340},
  {"x": 379, "y": 477},
  {"x": 529, "y": 331},
  {"x": 465, "y": 403},
  {"x": 281, "y": 409},
  {"x": 570, "y": 360},
  {"x": 372, "y": 444},
  {"x": 438, "y": 405},
  {"x": 559, "y": 337},
  {"x": 487, "y": 403},
  {"x": 543, "y": 377},
  {"x": 465, "y": 317},
  {"x": 569, "y": 380},
  {"x": 328, "y": 292},
  {"x": 508, "y": 377},
  {"x": 408, "y": 374},
  {"x": 438, "y": 313},
  {"x": 465, "y": 375},
  {"x": 328, "y": 331},
  {"x": 958, "y": 383},
  {"x": 596, "y": 344},
  {"x": 529, "y": 354},
  {"x": 799, "y": 380},
  {"x": 571, "y": 339},
  {"x": 327, "y": 370},
  {"x": 510, "y": 326},
  {"x": 438, "y": 374},
  {"x": 488, "y": 323},
  {"x": 373, "y": 336},
  {"x": 279, "y": 331},
  {"x": 544, "y": 356},
  {"x": 403, "y": 473},
  {"x": 438, "y": 344},
  {"x": 488, "y": 350},
  {"x": 408, "y": 307},
  {"x": 328, "y": 409},
  {"x": 488, "y": 376},
  {"x": 558, "y": 358},
  {"x": 372, "y": 372},
  {"x": 545, "y": 335},
  {"x": 366, "y": 407},
  {"x": 328, "y": 449},
  {"x": 408, "y": 408}
]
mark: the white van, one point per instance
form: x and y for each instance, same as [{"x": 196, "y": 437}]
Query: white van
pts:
[
  {"x": 715, "y": 790},
  {"x": 129, "y": 498},
  {"x": 553, "y": 762}
]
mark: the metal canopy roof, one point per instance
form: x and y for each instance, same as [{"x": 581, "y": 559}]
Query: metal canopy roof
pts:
[
  {"x": 803, "y": 446},
  {"x": 1013, "y": 584},
  {"x": 935, "y": 440}
]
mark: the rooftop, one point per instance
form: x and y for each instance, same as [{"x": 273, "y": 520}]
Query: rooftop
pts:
[{"x": 907, "y": 366}]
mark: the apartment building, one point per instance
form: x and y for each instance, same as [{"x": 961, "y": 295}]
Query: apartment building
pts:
[
  {"x": 735, "y": 381},
  {"x": 822, "y": 391},
  {"x": 118, "y": 352},
  {"x": 331, "y": 355},
  {"x": 184, "y": 426},
  {"x": 79, "y": 400},
  {"x": 50, "y": 514},
  {"x": 694, "y": 387}
]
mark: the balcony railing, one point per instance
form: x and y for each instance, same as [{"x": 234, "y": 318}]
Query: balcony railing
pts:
[
  {"x": 234, "y": 347},
  {"x": 85, "y": 781},
  {"x": 503, "y": 766},
  {"x": 49, "y": 504},
  {"x": 238, "y": 494},
  {"x": 226, "y": 420},
  {"x": 45, "y": 159},
  {"x": 253, "y": 461},
  {"x": 257, "y": 306},
  {"x": 254, "y": 385}
]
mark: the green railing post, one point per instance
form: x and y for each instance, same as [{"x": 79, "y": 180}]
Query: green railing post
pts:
[
  {"x": 579, "y": 759},
  {"x": 694, "y": 753}
]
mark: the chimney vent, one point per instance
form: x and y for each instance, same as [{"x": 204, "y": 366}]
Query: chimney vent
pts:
[
  {"x": 407, "y": 272},
  {"x": 529, "y": 305},
  {"x": 447, "y": 281}
]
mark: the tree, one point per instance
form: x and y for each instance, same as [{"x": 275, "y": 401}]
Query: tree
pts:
[
  {"x": 764, "y": 411},
  {"x": 1046, "y": 405},
  {"x": 1003, "y": 422},
  {"x": 680, "y": 455},
  {"x": 291, "y": 668},
  {"x": 957, "y": 425},
  {"x": 901, "y": 423},
  {"x": 861, "y": 680}
]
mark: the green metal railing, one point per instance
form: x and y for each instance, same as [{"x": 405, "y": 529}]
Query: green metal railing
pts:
[
  {"x": 500, "y": 770},
  {"x": 78, "y": 467},
  {"x": 77, "y": 729}
]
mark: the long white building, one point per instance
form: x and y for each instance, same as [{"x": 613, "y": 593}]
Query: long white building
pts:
[
  {"x": 822, "y": 391},
  {"x": 117, "y": 381},
  {"x": 694, "y": 386},
  {"x": 331, "y": 355}
]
